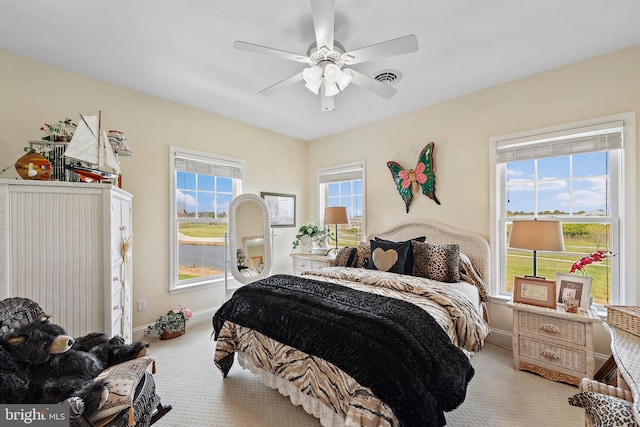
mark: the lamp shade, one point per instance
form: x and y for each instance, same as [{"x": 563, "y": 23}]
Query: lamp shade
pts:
[
  {"x": 336, "y": 215},
  {"x": 537, "y": 235}
]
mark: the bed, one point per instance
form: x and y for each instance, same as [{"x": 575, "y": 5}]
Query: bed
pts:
[{"x": 355, "y": 345}]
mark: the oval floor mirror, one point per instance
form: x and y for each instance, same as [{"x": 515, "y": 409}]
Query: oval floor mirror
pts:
[{"x": 249, "y": 238}]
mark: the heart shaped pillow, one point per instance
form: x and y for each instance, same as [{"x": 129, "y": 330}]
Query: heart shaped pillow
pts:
[{"x": 384, "y": 260}]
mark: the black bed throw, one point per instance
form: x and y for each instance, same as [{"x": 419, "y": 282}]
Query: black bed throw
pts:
[{"x": 391, "y": 346}]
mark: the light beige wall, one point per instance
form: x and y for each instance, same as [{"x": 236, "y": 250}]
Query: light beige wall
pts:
[
  {"x": 32, "y": 93},
  {"x": 461, "y": 129}
]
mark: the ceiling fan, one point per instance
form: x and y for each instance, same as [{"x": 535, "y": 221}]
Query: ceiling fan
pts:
[{"x": 326, "y": 58}]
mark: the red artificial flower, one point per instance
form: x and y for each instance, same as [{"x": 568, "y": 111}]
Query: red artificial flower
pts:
[{"x": 597, "y": 256}]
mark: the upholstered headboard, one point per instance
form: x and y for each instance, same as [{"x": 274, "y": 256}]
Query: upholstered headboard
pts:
[{"x": 471, "y": 244}]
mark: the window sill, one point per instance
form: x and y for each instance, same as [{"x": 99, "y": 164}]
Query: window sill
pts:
[
  {"x": 500, "y": 299},
  {"x": 197, "y": 286}
]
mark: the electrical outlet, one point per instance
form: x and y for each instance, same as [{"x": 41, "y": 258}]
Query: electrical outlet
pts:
[{"x": 142, "y": 304}]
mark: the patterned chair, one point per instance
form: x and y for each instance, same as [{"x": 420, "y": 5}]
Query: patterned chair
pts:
[
  {"x": 604, "y": 405},
  {"x": 147, "y": 408}
]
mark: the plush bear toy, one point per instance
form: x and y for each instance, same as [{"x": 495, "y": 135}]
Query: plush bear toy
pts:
[
  {"x": 63, "y": 367},
  {"x": 14, "y": 374}
]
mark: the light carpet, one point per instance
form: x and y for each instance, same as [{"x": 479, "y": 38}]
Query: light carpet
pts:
[{"x": 187, "y": 379}]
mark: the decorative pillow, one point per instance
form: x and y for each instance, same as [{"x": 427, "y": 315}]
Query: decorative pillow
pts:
[
  {"x": 123, "y": 379},
  {"x": 391, "y": 256},
  {"x": 364, "y": 254},
  {"x": 470, "y": 274},
  {"x": 347, "y": 257},
  {"x": 605, "y": 410},
  {"x": 436, "y": 262}
]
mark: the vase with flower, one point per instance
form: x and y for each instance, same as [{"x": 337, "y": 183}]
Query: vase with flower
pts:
[
  {"x": 170, "y": 325},
  {"x": 308, "y": 236},
  {"x": 580, "y": 266}
]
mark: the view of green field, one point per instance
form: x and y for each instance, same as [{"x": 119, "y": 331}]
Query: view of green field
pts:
[
  {"x": 202, "y": 229},
  {"x": 520, "y": 263}
]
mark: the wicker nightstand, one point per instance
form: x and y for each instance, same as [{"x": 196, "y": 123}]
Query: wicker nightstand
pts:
[{"x": 553, "y": 343}]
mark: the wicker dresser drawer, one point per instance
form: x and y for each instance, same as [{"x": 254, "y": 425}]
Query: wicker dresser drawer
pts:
[
  {"x": 563, "y": 357},
  {"x": 551, "y": 327}
]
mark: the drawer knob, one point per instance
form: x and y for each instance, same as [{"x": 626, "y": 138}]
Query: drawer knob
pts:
[
  {"x": 548, "y": 354},
  {"x": 550, "y": 328}
]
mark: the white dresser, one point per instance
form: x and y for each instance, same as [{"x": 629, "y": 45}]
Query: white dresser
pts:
[
  {"x": 67, "y": 246},
  {"x": 553, "y": 343},
  {"x": 304, "y": 262}
]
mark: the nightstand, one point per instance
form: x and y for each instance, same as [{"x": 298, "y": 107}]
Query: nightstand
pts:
[
  {"x": 304, "y": 262},
  {"x": 553, "y": 343}
]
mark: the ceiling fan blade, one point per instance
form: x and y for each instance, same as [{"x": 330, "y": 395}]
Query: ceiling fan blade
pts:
[
  {"x": 393, "y": 47},
  {"x": 324, "y": 13},
  {"x": 326, "y": 103},
  {"x": 372, "y": 85},
  {"x": 282, "y": 84},
  {"x": 256, "y": 48}
]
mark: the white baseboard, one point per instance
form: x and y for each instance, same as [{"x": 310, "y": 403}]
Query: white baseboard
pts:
[
  {"x": 198, "y": 316},
  {"x": 500, "y": 337}
]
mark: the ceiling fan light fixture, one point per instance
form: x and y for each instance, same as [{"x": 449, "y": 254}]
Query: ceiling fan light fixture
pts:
[
  {"x": 330, "y": 88},
  {"x": 344, "y": 79},
  {"x": 332, "y": 73},
  {"x": 313, "y": 78}
]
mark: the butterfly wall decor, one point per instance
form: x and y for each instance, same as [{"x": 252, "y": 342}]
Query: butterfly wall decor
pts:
[{"x": 419, "y": 179}]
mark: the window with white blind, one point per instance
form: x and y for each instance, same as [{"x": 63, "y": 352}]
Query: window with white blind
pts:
[
  {"x": 343, "y": 185},
  {"x": 202, "y": 187},
  {"x": 583, "y": 175}
]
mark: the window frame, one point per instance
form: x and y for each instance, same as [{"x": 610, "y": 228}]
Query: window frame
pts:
[
  {"x": 175, "y": 285},
  {"x": 625, "y": 170},
  {"x": 347, "y": 168}
]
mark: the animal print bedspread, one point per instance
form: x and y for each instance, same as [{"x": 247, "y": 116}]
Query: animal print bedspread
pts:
[{"x": 346, "y": 394}]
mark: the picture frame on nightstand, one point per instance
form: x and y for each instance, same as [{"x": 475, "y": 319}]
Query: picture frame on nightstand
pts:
[
  {"x": 576, "y": 286},
  {"x": 534, "y": 291}
]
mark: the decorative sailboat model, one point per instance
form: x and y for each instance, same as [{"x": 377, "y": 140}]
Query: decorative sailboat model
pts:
[{"x": 90, "y": 146}]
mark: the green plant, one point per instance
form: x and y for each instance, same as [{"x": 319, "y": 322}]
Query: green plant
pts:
[
  {"x": 312, "y": 231},
  {"x": 173, "y": 321}
]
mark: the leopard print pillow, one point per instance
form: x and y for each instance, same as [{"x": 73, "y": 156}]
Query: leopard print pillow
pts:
[
  {"x": 364, "y": 254},
  {"x": 436, "y": 262},
  {"x": 605, "y": 410},
  {"x": 347, "y": 257}
]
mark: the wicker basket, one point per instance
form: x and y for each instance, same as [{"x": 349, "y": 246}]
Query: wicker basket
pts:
[{"x": 624, "y": 317}]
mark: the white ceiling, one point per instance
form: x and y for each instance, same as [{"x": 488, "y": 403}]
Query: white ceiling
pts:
[{"x": 182, "y": 50}]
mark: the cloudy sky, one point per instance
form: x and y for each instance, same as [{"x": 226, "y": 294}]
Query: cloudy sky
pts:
[{"x": 570, "y": 184}]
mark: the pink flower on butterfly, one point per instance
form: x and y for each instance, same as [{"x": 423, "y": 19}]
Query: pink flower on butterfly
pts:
[
  {"x": 406, "y": 178},
  {"x": 419, "y": 172}
]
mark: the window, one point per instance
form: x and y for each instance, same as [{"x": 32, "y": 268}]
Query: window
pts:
[
  {"x": 202, "y": 186},
  {"x": 581, "y": 174},
  {"x": 344, "y": 186}
]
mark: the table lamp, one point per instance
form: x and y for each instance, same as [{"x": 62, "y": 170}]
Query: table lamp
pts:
[
  {"x": 336, "y": 215},
  {"x": 536, "y": 235}
]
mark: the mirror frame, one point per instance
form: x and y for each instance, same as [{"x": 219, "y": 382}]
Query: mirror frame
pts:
[{"x": 233, "y": 233}]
